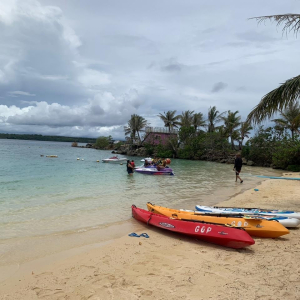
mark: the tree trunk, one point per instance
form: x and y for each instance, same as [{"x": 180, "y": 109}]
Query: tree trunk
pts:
[
  {"x": 241, "y": 144},
  {"x": 232, "y": 143},
  {"x": 138, "y": 133}
]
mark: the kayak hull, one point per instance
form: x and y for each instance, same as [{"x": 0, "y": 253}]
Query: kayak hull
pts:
[
  {"x": 254, "y": 226},
  {"x": 216, "y": 234},
  {"x": 248, "y": 211}
]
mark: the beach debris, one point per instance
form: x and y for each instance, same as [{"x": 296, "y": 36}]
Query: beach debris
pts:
[
  {"x": 145, "y": 235},
  {"x": 133, "y": 234},
  {"x": 53, "y": 156},
  {"x": 256, "y": 190},
  {"x": 140, "y": 243}
]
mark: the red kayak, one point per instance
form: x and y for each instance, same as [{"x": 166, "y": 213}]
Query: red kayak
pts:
[{"x": 216, "y": 234}]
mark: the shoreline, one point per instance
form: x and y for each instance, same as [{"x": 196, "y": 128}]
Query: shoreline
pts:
[
  {"x": 18, "y": 251},
  {"x": 112, "y": 271}
]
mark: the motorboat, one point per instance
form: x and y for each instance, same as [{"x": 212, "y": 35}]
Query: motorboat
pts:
[
  {"x": 212, "y": 233},
  {"x": 149, "y": 159},
  {"x": 154, "y": 170},
  {"x": 115, "y": 160}
]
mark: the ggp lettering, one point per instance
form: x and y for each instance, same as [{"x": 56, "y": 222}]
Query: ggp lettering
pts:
[{"x": 203, "y": 229}]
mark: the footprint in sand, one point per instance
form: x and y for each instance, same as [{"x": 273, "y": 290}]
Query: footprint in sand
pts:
[{"x": 146, "y": 293}]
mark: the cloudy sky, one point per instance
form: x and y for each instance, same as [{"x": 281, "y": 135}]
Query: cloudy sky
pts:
[{"x": 81, "y": 68}]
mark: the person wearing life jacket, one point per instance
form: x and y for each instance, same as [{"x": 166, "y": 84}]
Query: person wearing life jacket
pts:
[
  {"x": 132, "y": 163},
  {"x": 129, "y": 167}
]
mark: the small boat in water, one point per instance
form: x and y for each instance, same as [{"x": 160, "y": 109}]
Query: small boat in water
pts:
[
  {"x": 149, "y": 159},
  {"x": 114, "y": 160},
  {"x": 248, "y": 211},
  {"x": 216, "y": 234},
  {"x": 154, "y": 170},
  {"x": 254, "y": 226}
]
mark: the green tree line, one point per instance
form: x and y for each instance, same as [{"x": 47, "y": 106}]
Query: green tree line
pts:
[{"x": 52, "y": 138}]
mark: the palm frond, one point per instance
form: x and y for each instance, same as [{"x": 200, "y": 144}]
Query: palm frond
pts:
[
  {"x": 290, "y": 22},
  {"x": 276, "y": 100}
]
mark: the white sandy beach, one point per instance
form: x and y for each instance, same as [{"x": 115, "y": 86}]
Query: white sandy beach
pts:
[{"x": 170, "y": 266}]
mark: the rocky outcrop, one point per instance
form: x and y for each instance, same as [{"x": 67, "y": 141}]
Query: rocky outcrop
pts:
[
  {"x": 250, "y": 163},
  {"x": 125, "y": 150}
]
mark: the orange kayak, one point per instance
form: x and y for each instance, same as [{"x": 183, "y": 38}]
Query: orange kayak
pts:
[{"x": 254, "y": 226}]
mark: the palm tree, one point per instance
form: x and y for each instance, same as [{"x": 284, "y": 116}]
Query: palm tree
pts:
[
  {"x": 221, "y": 130},
  {"x": 170, "y": 119},
  {"x": 244, "y": 132},
  {"x": 231, "y": 123},
  {"x": 213, "y": 118},
  {"x": 198, "y": 121},
  {"x": 289, "y": 91},
  {"x": 135, "y": 125},
  {"x": 186, "y": 118},
  {"x": 290, "y": 118}
]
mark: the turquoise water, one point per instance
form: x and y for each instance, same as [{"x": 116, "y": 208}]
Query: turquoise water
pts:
[{"x": 41, "y": 196}]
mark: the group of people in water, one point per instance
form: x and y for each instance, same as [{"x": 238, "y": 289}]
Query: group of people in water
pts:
[{"x": 159, "y": 163}]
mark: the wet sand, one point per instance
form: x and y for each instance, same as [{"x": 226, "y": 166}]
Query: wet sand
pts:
[{"x": 170, "y": 266}]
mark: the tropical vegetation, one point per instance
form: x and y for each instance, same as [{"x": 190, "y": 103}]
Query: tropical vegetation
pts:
[
  {"x": 135, "y": 125},
  {"x": 288, "y": 92}
]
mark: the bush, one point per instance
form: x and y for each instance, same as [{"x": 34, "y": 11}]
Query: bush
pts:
[
  {"x": 102, "y": 142},
  {"x": 293, "y": 168},
  {"x": 149, "y": 149},
  {"x": 287, "y": 153},
  {"x": 163, "y": 152}
]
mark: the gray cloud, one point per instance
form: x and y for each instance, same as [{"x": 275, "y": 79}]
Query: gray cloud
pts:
[
  {"x": 20, "y": 93},
  {"x": 173, "y": 67},
  {"x": 241, "y": 89},
  {"x": 89, "y": 66},
  {"x": 219, "y": 86},
  {"x": 256, "y": 36}
]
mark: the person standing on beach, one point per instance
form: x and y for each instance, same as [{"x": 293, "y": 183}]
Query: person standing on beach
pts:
[
  {"x": 129, "y": 168},
  {"x": 238, "y": 167}
]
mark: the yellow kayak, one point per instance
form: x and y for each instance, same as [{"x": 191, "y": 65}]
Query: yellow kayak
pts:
[{"x": 254, "y": 226}]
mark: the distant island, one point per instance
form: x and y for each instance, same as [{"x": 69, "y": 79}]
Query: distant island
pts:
[{"x": 51, "y": 138}]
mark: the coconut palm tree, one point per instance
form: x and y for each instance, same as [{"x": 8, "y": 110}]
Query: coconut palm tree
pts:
[
  {"x": 186, "y": 118},
  {"x": 289, "y": 91},
  {"x": 170, "y": 119},
  {"x": 198, "y": 121},
  {"x": 231, "y": 123},
  {"x": 290, "y": 118},
  {"x": 244, "y": 132},
  {"x": 213, "y": 118},
  {"x": 135, "y": 125}
]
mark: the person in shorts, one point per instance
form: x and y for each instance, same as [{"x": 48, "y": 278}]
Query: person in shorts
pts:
[{"x": 238, "y": 163}]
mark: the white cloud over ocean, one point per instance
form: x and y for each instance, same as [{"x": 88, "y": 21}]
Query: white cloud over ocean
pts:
[{"x": 82, "y": 68}]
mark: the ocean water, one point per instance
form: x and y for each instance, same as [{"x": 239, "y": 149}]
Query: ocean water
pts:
[{"x": 41, "y": 196}]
